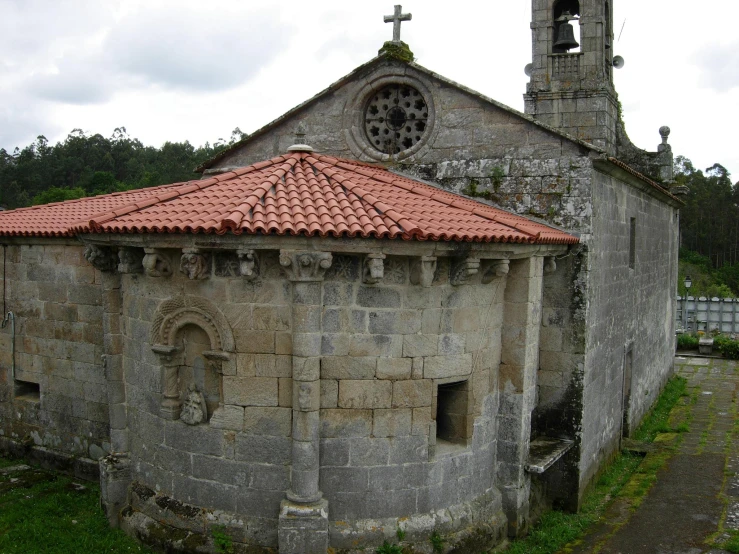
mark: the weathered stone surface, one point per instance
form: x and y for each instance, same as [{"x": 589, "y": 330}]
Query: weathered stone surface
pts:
[
  {"x": 412, "y": 394},
  {"x": 365, "y": 394}
]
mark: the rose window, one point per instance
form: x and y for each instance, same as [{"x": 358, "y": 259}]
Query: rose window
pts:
[{"x": 396, "y": 118}]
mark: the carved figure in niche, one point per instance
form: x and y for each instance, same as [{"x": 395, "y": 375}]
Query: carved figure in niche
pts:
[
  {"x": 194, "y": 409},
  {"x": 195, "y": 264},
  {"x": 197, "y": 370}
]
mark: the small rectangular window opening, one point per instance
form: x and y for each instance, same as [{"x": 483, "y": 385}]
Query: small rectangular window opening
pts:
[
  {"x": 632, "y": 243},
  {"x": 451, "y": 412},
  {"x": 25, "y": 390}
]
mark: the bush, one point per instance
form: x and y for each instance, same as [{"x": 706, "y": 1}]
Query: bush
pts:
[
  {"x": 687, "y": 342},
  {"x": 729, "y": 349}
]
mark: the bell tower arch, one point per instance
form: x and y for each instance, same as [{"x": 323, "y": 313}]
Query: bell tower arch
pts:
[{"x": 570, "y": 88}]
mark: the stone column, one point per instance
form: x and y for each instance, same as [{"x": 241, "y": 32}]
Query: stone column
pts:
[
  {"x": 115, "y": 470},
  {"x": 517, "y": 382},
  {"x": 303, "y": 523}
]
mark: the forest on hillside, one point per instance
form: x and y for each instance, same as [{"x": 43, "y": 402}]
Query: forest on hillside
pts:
[
  {"x": 90, "y": 164},
  {"x": 87, "y": 165}
]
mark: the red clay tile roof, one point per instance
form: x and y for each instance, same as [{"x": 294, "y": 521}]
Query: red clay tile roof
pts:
[{"x": 299, "y": 193}]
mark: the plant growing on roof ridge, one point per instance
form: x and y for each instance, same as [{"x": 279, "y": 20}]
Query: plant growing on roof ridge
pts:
[
  {"x": 388, "y": 548},
  {"x": 436, "y": 541}
]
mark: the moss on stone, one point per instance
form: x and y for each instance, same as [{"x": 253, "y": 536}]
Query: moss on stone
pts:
[{"x": 397, "y": 51}]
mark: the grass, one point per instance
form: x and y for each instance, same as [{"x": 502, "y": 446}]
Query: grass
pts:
[
  {"x": 44, "y": 512},
  {"x": 629, "y": 476}
]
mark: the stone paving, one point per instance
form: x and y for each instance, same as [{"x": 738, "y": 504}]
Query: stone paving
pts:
[{"x": 697, "y": 492}]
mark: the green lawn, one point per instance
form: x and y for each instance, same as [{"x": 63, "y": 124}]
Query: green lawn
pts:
[{"x": 42, "y": 511}]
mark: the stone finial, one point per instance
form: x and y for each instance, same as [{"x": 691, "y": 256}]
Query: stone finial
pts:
[
  {"x": 664, "y": 132},
  {"x": 396, "y": 19},
  {"x": 374, "y": 269},
  {"x": 300, "y": 145}
]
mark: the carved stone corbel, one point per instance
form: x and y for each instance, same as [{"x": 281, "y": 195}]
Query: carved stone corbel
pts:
[
  {"x": 129, "y": 260},
  {"x": 422, "y": 270},
  {"x": 248, "y": 264},
  {"x": 374, "y": 268},
  {"x": 463, "y": 269},
  {"x": 156, "y": 264},
  {"x": 494, "y": 269},
  {"x": 305, "y": 266},
  {"x": 101, "y": 257},
  {"x": 195, "y": 264},
  {"x": 550, "y": 264}
]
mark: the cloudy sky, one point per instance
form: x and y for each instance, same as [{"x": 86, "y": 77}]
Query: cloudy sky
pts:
[{"x": 193, "y": 70}]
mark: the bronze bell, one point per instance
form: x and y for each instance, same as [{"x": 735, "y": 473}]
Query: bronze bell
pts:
[{"x": 565, "y": 33}]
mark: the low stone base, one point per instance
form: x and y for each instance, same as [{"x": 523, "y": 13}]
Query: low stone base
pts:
[
  {"x": 475, "y": 526},
  {"x": 81, "y": 468},
  {"x": 303, "y": 528},
  {"x": 115, "y": 477}
]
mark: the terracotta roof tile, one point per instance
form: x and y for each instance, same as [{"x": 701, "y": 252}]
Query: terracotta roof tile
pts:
[{"x": 299, "y": 193}]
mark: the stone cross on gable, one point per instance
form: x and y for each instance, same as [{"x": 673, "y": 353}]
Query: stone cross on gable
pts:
[{"x": 396, "y": 19}]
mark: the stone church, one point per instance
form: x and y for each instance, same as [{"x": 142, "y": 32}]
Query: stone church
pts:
[{"x": 401, "y": 305}]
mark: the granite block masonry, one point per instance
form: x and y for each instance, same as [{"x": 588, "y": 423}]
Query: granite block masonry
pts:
[{"x": 306, "y": 391}]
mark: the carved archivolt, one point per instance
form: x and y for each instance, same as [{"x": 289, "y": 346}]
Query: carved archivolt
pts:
[{"x": 174, "y": 314}]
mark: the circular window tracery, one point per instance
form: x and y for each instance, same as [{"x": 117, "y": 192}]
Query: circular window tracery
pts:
[{"x": 396, "y": 118}]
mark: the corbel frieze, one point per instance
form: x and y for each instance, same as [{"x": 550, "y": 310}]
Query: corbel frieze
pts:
[
  {"x": 550, "y": 264},
  {"x": 494, "y": 269},
  {"x": 102, "y": 258},
  {"x": 374, "y": 269},
  {"x": 422, "y": 270},
  {"x": 129, "y": 260},
  {"x": 195, "y": 264},
  {"x": 156, "y": 263},
  {"x": 248, "y": 264},
  {"x": 463, "y": 269},
  {"x": 305, "y": 266}
]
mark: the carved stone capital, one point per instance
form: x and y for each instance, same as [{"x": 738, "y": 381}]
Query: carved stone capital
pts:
[
  {"x": 248, "y": 264},
  {"x": 156, "y": 264},
  {"x": 422, "y": 270},
  {"x": 101, "y": 257},
  {"x": 494, "y": 269},
  {"x": 305, "y": 266},
  {"x": 374, "y": 268},
  {"x": 550, "y": 264},
  {"x": 463, "y": 269},
  {"x": 129, "y": 260},
  {"x": 195, "y": 264}
]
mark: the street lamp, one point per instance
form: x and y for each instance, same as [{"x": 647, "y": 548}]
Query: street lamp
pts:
[{"x": 688, "y": 283}]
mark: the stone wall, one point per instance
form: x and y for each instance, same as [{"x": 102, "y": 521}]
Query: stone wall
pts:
[
  {"x": 385, "y": 349},
  {"x": 58, "y": 400},
  {"x": 630, "y": 319}
]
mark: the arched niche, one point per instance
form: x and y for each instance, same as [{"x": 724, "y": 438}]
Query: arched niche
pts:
[{"x": 195, "y": 345}]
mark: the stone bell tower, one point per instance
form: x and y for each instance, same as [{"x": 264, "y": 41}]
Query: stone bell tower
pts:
[{"x": 571, "y": 86}]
